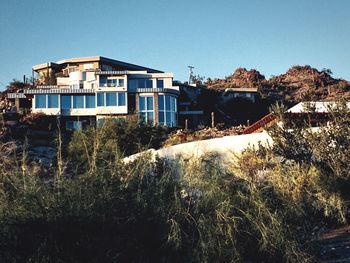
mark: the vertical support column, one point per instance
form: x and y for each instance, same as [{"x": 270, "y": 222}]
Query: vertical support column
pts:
[
  {"x": 136, "y": 103},
  {"x": 212, "y": 120},
  {"x": 156, "y": 115},
  {"x": 17, "y": 104}
]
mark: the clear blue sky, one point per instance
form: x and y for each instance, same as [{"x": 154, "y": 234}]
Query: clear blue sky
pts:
[{"x": 215, "y": 36}]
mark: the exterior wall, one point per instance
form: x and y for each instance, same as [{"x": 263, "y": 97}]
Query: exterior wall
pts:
[
  {"x": 231, "y": 95},
  {"x": 112, "y": 110},
  {"x": 64, "y": 81},
  {"x": 77, "y": 112}
]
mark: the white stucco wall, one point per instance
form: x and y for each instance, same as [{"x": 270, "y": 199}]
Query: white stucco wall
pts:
[{"x": 225, "y": 147}]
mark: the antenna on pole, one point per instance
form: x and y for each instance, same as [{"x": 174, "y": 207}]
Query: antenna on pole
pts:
[{"x": 191, "y": 75}]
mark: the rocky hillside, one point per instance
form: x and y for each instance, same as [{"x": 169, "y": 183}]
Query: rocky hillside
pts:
[
  {"x": 240, "y": 78},
  {"x": 299, "y": 83}
]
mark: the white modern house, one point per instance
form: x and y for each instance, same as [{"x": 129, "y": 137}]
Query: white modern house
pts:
[{"x": 88, "y": 90}]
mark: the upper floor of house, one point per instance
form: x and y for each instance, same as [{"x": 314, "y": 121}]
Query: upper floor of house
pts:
[{"x": 100, "y": 73}]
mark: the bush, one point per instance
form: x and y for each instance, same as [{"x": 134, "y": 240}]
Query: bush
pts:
[
  {"x": 112, "y": 140},
  {"x": 40, "y": 121}
]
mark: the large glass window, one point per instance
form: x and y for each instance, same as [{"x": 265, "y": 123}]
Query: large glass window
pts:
[
  {"x": 90, "y": 101},
  {"x": 142, "y": 103},
  {"x": 111, "y": 99},
  {"x": 160, "y": 102},
  {"x": 52, "y": 101},
  {"x": 132, "y": 84},
  {"x": 112, "y": 82},
  {"x": 66, "y": 101},
  {"x": 149, "y": 103},
  {"x": 143, "y": 83},
  {"x": 40, "y": 101},
  {"x": 146, "y": 108},
  {"x": 78, "y": 102},
  {"x": 103, "y": 81},
  {"x": 121, "y": 99},
  {"x": 160, "y": 83},
  {"x": 100, "y": 99},
  {"x": 167, "y": 110},
  {"x": 149, "y": 83}
]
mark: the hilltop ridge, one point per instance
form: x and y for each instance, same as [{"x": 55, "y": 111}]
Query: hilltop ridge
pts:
[{"x": 299, "y": 83}]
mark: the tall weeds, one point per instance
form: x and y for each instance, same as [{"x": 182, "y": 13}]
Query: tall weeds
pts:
[{"x": 263, "y": 208}]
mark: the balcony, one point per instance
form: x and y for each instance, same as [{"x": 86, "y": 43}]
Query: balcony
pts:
[
  {"x": 112, "y": 72},
  {"x": 174, "y": 90}
]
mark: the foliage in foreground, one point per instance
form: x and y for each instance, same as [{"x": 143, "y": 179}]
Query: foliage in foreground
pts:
[{"x": 263, "y": 208}]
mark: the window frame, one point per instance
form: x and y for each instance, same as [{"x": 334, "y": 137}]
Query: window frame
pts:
[
  {"x": 93, "y": 100},
  {"x": 75, "y": 101},
  {"x": 37, "y": 106},
  {"x": 167, "y": 110},
  {"x": 56, "y": 101},
  {"x": 145, "y": 113}
]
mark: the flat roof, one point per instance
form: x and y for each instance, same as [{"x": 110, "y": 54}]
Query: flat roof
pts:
[
  {"x": 241, "y": 90},
  {"x": 316, "y": 106},
  {"x": 94, "y": 59}
]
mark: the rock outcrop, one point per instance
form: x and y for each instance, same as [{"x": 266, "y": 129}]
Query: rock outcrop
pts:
[
  {"x": 299, "y": 83},
  {"x": 241, "y": 78}
]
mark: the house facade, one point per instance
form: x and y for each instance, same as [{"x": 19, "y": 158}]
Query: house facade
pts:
[{"x": 89, "y": 90}]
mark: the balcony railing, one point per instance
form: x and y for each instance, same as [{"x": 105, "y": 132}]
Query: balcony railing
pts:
[
  {"x": 157, "y": 90},
  {"x": 109, "y": 85},
  {"x": 16, "y": 95},
  {"x": 112, "y": 72},
  {"x": 57, "y": 91}
]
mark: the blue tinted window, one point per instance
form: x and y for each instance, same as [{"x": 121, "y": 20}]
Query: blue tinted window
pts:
[
  {"x": 100, "y": 99},
  {"x": 161, "y": 117},
  {"x": 90, "y": 101},
  {"x": 149, "y": 83},
  {"x": 143, "y": 116},
  {"x": 167, "y": 102},
  {"x": 40, "y": 101},
  {"x": 78, "y": 102},
  {"x": 52, "y": 101},
  {"x": 161, "y": 102},
  {"x": 160, "y": 83},
  {"x": 150, "y": 116},
  {"x": 172, "y": 103},
  {"x": 111, "y": 99},
  {"x": 121, "y": 99},
  {"x": 121, "y": 83},
  {"x": 167, "y": 110},
  {"x": 141, "y": 83},
  {"x": 168, "y": 119},
  {"x": 142, "y": 103},
  {"x": 146, "y": 108},
  {"x": 149, "y": 103},
  {"x": 103, "y": 81},
  {"x": 66, "y": 101},
  {"x": 144, "y": 83},
  {"x": 111, "y": 82},
  {"x": 132, "y": 83}
]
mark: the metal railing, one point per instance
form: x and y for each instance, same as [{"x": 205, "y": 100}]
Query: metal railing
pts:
[{"x": 259, "y": 124}]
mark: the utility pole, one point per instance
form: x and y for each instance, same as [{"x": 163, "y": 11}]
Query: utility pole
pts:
[{"x": 191, "y": 75}]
